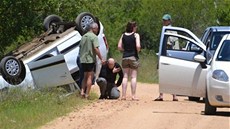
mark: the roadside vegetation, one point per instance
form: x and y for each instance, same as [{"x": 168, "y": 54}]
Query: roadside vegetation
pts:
[
  {"x": 22, "y": 20},
  {"x": 30, "y": 109}
]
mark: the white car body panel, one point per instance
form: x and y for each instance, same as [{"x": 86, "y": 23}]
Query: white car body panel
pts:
[
  {"x": 50, "y": 72},
  {"x": 216, "y": 88},
  {"x": 179, "y": 76},
  {"x": 67, "y": 46},
  {"x": 102, "y": 49},
  {"x": 190, "y": 71}
]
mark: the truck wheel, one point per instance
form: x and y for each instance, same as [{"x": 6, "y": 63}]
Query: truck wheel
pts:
[
  {"x": 53, "y": 19},
  {"x": 209, "y": 109},
  {"x": 83, "y": 20},
  {"x": 13, "y": 70},
  {"x": 193, "y": 98}
]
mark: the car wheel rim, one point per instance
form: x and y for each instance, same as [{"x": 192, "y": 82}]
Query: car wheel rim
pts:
[
  {"x": 12, "y": 67},
  {"x": 86, "y": 20}
]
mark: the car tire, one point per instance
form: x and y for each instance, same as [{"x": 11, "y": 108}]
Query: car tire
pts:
[
  {"x": 12, "y": 70},
  {"x": 194, "y": 98},
  {"x": 49, "y": 20},
  {"x": 83, "y": 20},
  {"x": 209, "y": 109}
]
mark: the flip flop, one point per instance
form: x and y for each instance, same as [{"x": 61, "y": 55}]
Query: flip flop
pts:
[
  {"x": 175, "y": 99},
  {"x": 158, "y": 99}
]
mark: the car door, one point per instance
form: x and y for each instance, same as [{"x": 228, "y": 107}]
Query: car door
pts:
[
  {"x": 50, "y": 72},
  {"x": 179, "y": 73}
]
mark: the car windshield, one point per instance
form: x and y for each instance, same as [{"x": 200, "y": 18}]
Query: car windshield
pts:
[
  {"x": 224, "y": 53},
  {"x": 217, "y": 36}
]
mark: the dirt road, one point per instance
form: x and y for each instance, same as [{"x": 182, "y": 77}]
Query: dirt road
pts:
[{"x": 143, "y": 114}]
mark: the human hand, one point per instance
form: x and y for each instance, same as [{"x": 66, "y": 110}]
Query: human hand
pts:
[
  {"x": 116, "y": 70},
  {"x": 103, "y": 62}
]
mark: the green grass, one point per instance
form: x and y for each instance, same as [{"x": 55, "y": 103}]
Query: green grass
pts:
[
  {"x": 31, "y": 109},
  {"x": 147, "y": 71}
]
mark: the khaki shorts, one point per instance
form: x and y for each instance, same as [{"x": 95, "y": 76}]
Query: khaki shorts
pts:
[{"x": 130, "y": 62}]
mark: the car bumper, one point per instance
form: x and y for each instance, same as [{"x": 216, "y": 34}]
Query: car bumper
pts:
[{"x": 219, "y": 93}]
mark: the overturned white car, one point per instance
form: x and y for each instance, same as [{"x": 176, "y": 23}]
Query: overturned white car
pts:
[
  {"x": 186, "y": 71},
  {"x": 51, "y": 59}
]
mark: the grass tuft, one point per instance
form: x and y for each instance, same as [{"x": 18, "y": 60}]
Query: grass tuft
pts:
[{"x": 30, "y": 109}]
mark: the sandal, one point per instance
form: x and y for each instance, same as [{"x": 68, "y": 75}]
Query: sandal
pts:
[
  {"x": 175, "y": 99},
  {"x": 158, "y": 99}
]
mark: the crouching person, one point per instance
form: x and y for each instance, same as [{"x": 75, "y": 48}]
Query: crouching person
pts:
[{"x": 107, "y": 80}]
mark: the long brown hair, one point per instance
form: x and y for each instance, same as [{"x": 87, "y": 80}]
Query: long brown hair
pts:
[{"x": 130, "y": 26}]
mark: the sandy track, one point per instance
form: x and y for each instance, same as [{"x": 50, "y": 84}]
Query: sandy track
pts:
[{"x": 143, "y": 114}]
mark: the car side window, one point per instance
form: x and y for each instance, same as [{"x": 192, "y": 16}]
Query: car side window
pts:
[
  {"x": 224, "y": 53},
  {"x": 181, "y": 48},
  {"x": 207, "y": 40}
]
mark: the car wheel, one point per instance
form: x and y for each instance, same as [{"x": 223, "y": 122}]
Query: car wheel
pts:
[
  {"x": 193, "y": 98},
  {"x": 51, "y": 21},
  {"x": 83, "y": 20},
  {"x": 209, "y": 109},
  {"x": 13, "y": 70}
]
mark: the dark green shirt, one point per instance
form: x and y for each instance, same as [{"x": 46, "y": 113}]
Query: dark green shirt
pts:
[{"x": 88, "y": 42}]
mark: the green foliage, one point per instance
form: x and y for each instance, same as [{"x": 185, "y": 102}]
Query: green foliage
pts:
[
  {"x": 22, "y": 20},
  {"x": 223, "y": 12},
  {"x": 147, "y": 71}
]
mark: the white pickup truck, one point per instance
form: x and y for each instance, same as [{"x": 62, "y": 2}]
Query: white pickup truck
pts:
[{"x": 50, "y": 60}]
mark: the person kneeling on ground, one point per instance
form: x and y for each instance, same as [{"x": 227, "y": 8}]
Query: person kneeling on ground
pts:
[{"x": 107, "y": 78}]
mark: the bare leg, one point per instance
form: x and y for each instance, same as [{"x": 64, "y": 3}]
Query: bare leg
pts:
[
  {"x": 160, "y": 98},
  {"x": 133, "y": 83},
  {"x": 174, "y": 98},
  {"x": 83, "y": 85},
  {"x": 89, "y": 77},
  {"x": 161, "y": 95},
  {"x": 124, "y": 82}
]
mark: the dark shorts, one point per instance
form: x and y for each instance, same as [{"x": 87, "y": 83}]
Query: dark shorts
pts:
[
  {"x": 130, "y": 62},
  {"x": 88, "y": 67}
]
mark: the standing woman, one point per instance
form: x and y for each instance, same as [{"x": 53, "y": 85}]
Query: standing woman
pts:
[{"x": 129, "y": 44}]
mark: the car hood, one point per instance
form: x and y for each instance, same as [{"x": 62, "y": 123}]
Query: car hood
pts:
[{"x": 222, "y": 65}]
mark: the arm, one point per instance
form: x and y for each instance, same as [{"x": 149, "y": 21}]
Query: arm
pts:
[
  {"x": 96, "y": 49},
  {"x": 120, "y": 76},
  {"x": 120, "y": 47},
  {"x": 99, "y": 54},
  {"x": 138, "y": 42}
]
